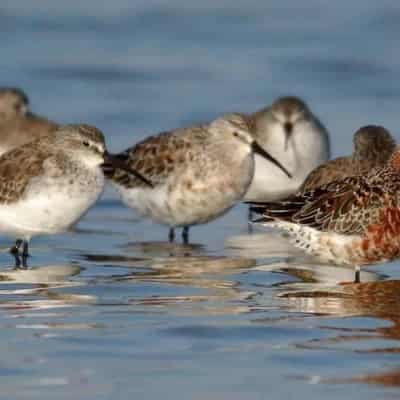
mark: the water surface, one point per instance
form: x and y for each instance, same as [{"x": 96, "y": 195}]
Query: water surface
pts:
[{"x": 113, "y": 311}]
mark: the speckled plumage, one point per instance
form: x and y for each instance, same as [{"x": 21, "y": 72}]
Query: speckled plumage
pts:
[
  {"x": 17, "y": 124},
  {"x": 294, "y": 135},
  {"x": 373, "y": 146},
  {"x": 197, "y": 173},
  {"x": 47, "y": 185},
  {"x": 355, "y": 221},
  {"x": 158, "y": 157}
]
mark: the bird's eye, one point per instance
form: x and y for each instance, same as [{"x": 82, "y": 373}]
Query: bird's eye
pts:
[
  {"x": 235, "y": 134},
  {"x": 86, "y": 144}
]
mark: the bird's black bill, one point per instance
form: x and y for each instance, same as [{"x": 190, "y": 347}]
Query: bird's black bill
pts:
[
  {"x": 112, "y": 162},
  {"x": 288, "y": 127},
  {"x": 259, "y": 150}
]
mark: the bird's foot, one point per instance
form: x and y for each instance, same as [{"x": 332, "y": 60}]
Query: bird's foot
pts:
[
  {"x": 171, "y": 235},
  {"x": 185, "y": 235},
  {"x": 20, "y": 258},
  {"x": 357, "y": 274}
]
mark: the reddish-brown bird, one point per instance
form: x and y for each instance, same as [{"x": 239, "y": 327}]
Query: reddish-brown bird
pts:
[{"x": 353, "y": 221}]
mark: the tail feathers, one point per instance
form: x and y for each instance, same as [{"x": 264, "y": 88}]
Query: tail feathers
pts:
[
  {"x": 263, "y": 220},
  {"x": 258, "y": 209},
  {"x": 280, "y": 210}
]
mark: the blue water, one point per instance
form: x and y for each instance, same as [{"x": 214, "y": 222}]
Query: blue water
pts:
[{"x": 113, "y": 311}]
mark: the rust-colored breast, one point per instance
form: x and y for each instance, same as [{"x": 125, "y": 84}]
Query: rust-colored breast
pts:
[{"x": 382, "y": 240}]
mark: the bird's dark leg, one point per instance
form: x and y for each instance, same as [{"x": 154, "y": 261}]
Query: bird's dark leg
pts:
[
  {"x": 25, "y": 254},
  {"x": 185, "y": 235},
  {"x": 15, "y": 252},
  {"x": 249, "y": 220},
  {"x": 357, "y": 274},
  {"x": 171, "y": 235}
]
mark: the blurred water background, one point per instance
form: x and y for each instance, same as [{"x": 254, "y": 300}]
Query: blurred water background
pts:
[{"x": 112, "y": 310}]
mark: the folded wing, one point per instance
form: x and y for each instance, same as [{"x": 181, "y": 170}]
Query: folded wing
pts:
[
  {"x": 156, "y": 158},
  {"x": 346, "y": 207}
]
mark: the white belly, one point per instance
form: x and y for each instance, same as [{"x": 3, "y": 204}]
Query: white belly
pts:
[
  {"x": 306, "y": 150},
  {"x": 178, "y": 208},
  {"x": 148, "y": 203},
  {"x": 174, "y": 204},
  {"x": 327, "y": 247},
  {"x": 51, "y": 206}
]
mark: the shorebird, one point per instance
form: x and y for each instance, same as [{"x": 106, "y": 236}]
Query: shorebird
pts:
[
  {"x": 355, "y": 221},
  {"x": 18, "y": 125},
  {"x": 373, "y": 146},
  {"x": 289, "y": 130},
  {"x": 47, "y": 185},
  {"x": 13, "y": 103},
  {"x": 197, "y": 173}
]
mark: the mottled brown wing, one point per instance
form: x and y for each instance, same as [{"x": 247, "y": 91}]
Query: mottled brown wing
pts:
[
  {"x": 347, "y": 207},
  {"x": 334, "y": 170},
  {"x": 156, "y": 157},
  {"x": 16, "y": 168},
  {"x": 337, "y": 170}
]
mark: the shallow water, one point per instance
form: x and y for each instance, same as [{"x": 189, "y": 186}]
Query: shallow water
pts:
[{"x": 111, "y": 310}]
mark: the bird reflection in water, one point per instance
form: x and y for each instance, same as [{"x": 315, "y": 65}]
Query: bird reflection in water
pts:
[
  {"x": 378, "y": 299},
  {"x": 262, "y": 245},
  {"x": 25, "y": 291},
  {"x": 171, "y": 249},
  {"x": 199, "y": 277}
]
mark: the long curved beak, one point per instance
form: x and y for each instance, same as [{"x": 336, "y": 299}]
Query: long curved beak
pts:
[
  {"x": 259, "y": 150},
  {"x": 288, "y": 128},
  {"x": 112, "y": 162}
]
